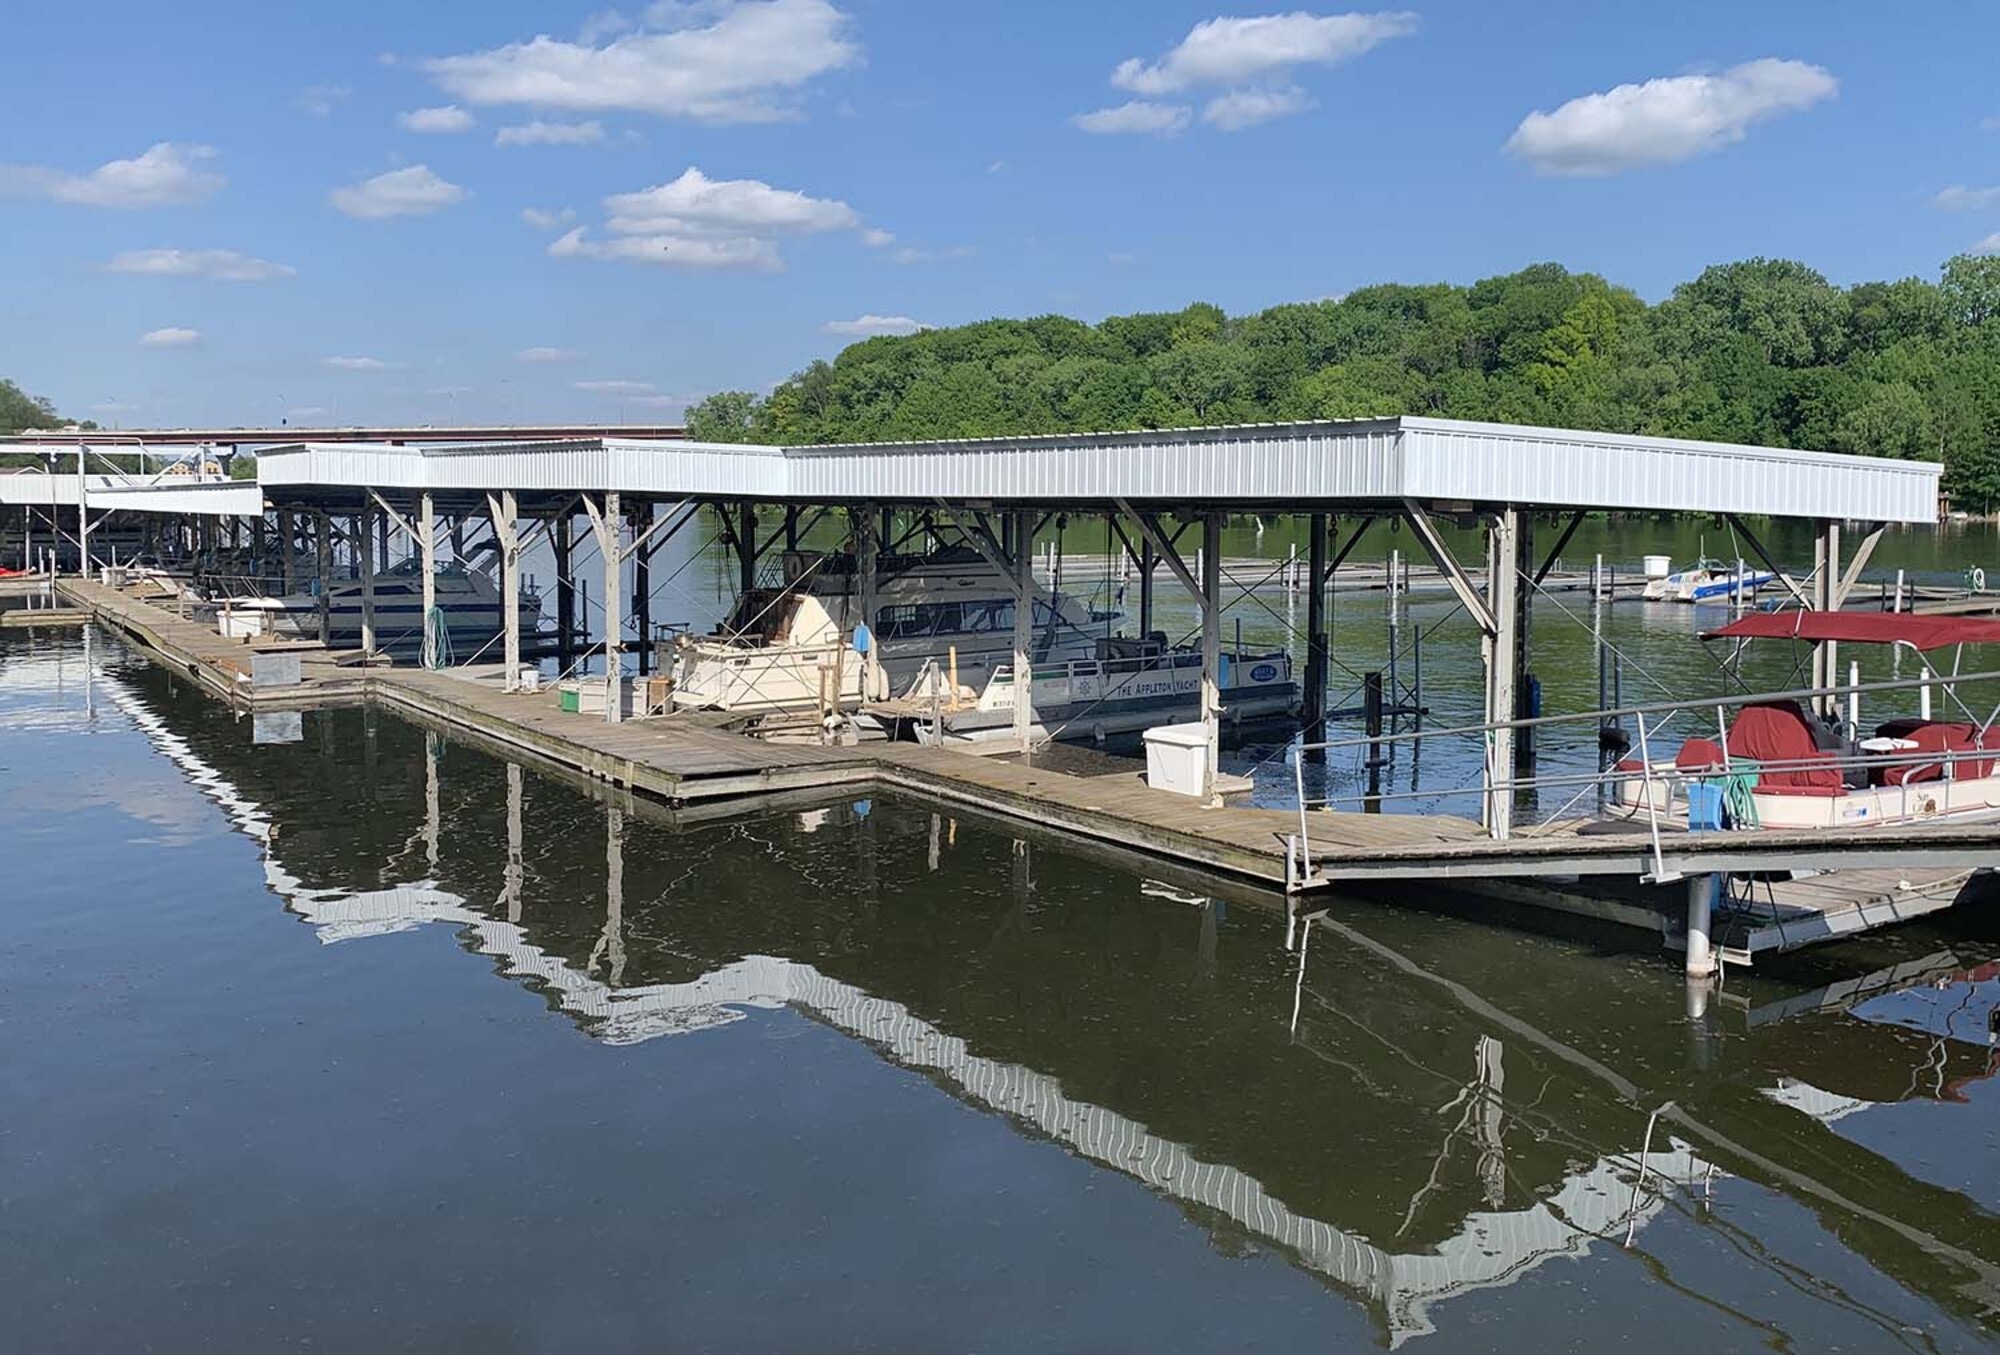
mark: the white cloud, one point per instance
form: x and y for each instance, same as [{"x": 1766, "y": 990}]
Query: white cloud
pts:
[
  {"x": 351, "y": 364},
  {"x": 658, "y": 401},
  {"x": 1241, "y": 108},
  {"x": 1122, "y": 259},
  {"x": 736, "y": 63},
  {"x": 308, "y": 412},
  {"x": 876, "y": 239},
  {"x": 868, "y": 325},
  {"x": 1990, "y": 245},
  {"x": 168, "y": 174},
  {"x": 222, "y": 265},
  {"x": 539, "y": 133},
  {"x": 1665, "y": 121},
  {"x": 619, "y": 388},
  {"x": 448, "y": 392},
  {"x": 703, "y": 223},
  {"x": 1989, "y": 124},
  {"x": 447, "y": 118},
  {"x": 321, "y": 100},
  {"x": 547, "y": 355},
  {"x": 997, "y": 167},
  {"x": 173, "y": 336},
  {"x": 412, "y": 191},
  {"x": 543, "y": 219},
  {"x": 1959, "y": 198},
  {"x": 1233, "y": 51},
  {"x": 1140, "y": 116}
]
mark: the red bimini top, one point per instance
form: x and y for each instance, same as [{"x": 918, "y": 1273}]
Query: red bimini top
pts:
[{"x": 1864, "y": 628}]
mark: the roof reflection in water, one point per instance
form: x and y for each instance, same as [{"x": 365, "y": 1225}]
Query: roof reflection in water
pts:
[{"x": 1607, "y": 1200}]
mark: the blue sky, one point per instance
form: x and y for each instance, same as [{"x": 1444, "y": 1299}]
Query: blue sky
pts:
[{"x": 253, "y": 212}]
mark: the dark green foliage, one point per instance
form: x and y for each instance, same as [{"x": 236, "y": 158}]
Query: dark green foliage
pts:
[{"x": 1763, "y": 351}]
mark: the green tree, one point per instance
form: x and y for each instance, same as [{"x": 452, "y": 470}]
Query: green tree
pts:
[{"x": 726, "y": 416}]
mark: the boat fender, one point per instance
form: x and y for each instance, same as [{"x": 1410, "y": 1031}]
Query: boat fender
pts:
[
  {"x": 1097, "y": 732},
  {"x": 1978, "y": 579}
]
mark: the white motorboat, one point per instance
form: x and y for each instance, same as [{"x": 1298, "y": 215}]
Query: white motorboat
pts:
[
  {"x": 1778, "y": 766},
  {"x": 1709, "y": 581},
  {"x": 467, "y": 600}
]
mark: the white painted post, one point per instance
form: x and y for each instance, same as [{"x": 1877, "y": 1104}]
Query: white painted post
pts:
[
  {"x": 1024, "y": 629},
  {"x": 507, "y": 535},
  {"x": 365, "y": 526},
  {"x": 1503, "y": 595},
  {"x": 867, "y": 566},
  {"x": 614, "y": 608},
  {"x": 1853, "y": 699},
  {"x": 1700, "y": 918},
  {"x": 427, "y": 544},
  {"x": 82, "y": 517},
  {"x": 1211, "y": 652},
  {"x": 1899, "y": 590}
]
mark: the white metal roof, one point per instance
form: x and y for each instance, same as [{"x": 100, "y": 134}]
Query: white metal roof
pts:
[
  {"x": 151, "y": 494},
  {"x": 1323, "y": 464}
]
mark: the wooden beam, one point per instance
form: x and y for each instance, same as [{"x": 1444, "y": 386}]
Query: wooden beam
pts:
[
  {"x": 1757, "y": 549},
  {"x": 1163, "y": 546},
  {"x": 1562, "y": 543},
  {"x": 1852, "y": 575}
]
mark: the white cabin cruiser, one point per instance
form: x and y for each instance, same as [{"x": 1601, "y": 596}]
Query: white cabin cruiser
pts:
[
  {"x": 468, "y": 601},
  {"x": 943, "y": 644}
]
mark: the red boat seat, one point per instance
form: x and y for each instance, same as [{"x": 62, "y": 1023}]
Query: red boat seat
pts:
[
  {"x": 1778, "y": 731},
  {"x": 1938, "y": 737},
  {"x": 1698, "y": 757}
]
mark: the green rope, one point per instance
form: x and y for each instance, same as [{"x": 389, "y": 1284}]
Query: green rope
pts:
[
  {"x": 1737, "y": 800},
  {"x": 440, "y": 637}
]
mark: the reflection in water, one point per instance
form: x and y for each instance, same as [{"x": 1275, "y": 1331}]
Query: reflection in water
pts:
[{"x": 1408, "y": 1107}]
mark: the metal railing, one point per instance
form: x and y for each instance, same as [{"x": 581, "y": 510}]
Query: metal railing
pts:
[{"x": 1658, "y": 779}]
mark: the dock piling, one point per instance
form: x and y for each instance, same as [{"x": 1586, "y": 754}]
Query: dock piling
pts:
[{"x": 1701, "y": 891}]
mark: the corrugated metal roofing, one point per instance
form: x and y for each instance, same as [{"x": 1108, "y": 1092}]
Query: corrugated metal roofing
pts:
[{"x": 1319, "y": 464}]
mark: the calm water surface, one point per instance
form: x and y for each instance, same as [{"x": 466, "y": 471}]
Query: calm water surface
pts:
[{"x": 365, "y": 1040}]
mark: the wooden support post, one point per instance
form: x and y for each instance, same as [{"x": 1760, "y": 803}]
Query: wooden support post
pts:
[
  {"x": 427, "y": 544},
  {"x": 1826, "y": 598},
  {"x": 1317, "y": 654},
  {"x": 1211, "y": 652},
  {"x": 364, "y": 529},
  {"x": 323, "y": 541},
  {"x": 614, "y": 610},
  {"x": 1024, "y": 624},
  {"x": 1503, "y": 603},
  {"x": 563, "y": 545}
]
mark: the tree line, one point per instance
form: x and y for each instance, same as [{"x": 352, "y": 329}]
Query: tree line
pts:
[{"x": 1762, "y": 351}]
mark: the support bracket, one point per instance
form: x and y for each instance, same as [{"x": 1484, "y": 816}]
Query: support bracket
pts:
[{"x": 1454, "y": 573}]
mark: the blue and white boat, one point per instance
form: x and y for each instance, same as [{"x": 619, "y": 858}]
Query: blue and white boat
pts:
[{"x": 1709, "y": 581}]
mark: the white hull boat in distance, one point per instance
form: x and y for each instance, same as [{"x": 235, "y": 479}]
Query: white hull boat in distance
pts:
[
  {"x": 1131, "y": 686},
  {"x": 1708, "y": 581},
  {"x": 468, "y": 601},
  {"x": 791, "y": 649},
  {"x": 1779, "y": 766}
]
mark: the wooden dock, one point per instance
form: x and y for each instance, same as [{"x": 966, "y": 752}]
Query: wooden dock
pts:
[{"x": 692, "y": 758}]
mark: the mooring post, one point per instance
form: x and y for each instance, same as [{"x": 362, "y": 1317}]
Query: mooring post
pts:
[
  {"x": 427, "y": 543},
  {"x": 1316, "y": 637},
  {"x": 511, "y": 877},
  {"x": 364, "y": 528},
  {"x": 564, "y": 547},
  {"x": 1527, "y": 701},
  {"x": 1701, "y": 891},
  {"x": 323, "y": 541},
  {"x": 1148, "y": 561},
  {"x": 1371, "y": 712},
  {"x": 1024, "y": 623},
  {"x": 1211, "y": 651}
]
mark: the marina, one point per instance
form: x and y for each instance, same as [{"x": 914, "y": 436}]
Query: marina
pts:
[{"x": 842, "y": 663}]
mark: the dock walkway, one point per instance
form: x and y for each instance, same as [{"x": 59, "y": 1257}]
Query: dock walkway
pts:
[{"x": 692, "y": 757}]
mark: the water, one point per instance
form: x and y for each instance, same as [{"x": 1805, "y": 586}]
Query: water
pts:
[{"x": 371, "y": 1041}]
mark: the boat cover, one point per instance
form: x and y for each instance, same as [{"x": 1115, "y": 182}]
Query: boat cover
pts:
[{"x": 1866, "y": 628}]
